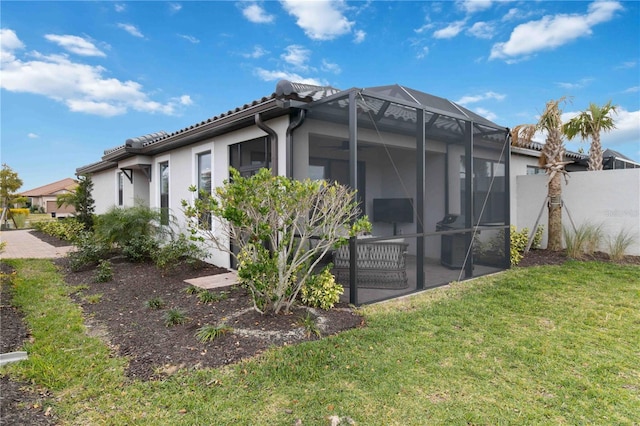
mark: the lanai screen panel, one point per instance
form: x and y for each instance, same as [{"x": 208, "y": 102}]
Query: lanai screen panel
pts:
[{"x": 405, "y": 153}]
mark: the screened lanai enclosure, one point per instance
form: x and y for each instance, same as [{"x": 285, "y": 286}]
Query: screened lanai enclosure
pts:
[{"x": 431, "y": 176}]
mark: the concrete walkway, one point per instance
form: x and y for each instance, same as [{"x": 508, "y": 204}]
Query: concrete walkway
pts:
[{"x": 22, "y": 245}]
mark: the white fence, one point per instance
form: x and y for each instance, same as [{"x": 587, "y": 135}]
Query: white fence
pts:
[{"x": 608, "y": 198}]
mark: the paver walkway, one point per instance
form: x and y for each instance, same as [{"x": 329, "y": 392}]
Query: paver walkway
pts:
[{"x": 22, "y": 245}]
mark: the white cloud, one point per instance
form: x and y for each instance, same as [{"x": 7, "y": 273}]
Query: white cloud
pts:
[
  {"x": 576, "y": 85},
  {"x": 359, "y": 36},
  {"x": 120, "y": 7},
  {"x": 297, "y": 56},
  {"x": 634, "y": 89},
  {"x": 81, "y": 87},
  {"x": 482, "y": 30},
  {"x": 551, "y": 32},
  {"x": 9, "y": 42},
  {"x": 131, "y": 29},
  {"x": 175, "y": 7},
  {"x": 450, "y": 30},
  {"x": 472, "y": 6},
  {"x": 33, "y": 135},
  {"x": 466, "y": 100},
  {"x": 267, "y": 75},
  {"x": 627, "y": 65},
  {"x": 75, "y": 44},
  {"x": 424, "y": 28},
  {"x": 331, "y": 67},
  {"x": 320, "y": 20},
  {"x": 189, "y": 38},
  {"x": 483, "y": 112},
  {"x": 256, "y": 14},
  {"x": 256, "y": 53},
  {"x": 422, "y": 53},
  {"x": 185, "y": 100}
]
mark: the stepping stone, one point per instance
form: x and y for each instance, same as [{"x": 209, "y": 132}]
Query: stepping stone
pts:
[{"x": 214, "y": 281}]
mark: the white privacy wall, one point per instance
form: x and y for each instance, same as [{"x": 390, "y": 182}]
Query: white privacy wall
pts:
[{"x": 610, "y": 198}]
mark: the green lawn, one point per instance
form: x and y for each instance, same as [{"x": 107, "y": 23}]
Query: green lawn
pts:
[{"x": 545, "y": 345}]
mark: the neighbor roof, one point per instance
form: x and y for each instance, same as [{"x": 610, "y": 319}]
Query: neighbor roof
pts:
[{"x": 51, "y": 189}]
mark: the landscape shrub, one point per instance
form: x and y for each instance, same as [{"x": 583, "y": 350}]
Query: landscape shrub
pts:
[
  {"x": 68, "y": 229},
  {"x": 104, "y": 272},
  {"x": 174, "y": 316},
  {"x": 582, "y": 241},
  {"x": 121, "y": 225},
  {"x": 140, "y": 248},
  {"x": 517, "y": 246},
  {"x": 270, "y": 221},
  {"x": 208, "y": 332},
  {"x": 89, "y": 251},
  {"x": 156, "y": 303},
  {"x": 322, "y": 290},
  {"x": 619, "y": 244},
  {"x": 178, "y": 251},
  {"x": 20, "y": 219},
  {"x": 24, "y": 212}
]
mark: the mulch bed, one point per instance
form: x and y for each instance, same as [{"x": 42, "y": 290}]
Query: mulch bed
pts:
[{"x": 117, "y": 311}]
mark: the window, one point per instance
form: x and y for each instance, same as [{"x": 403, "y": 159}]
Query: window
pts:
[
  {"x": 250, "y": 156},
  {"x": 535, "y": 170},
  {"x": 120, "y": 188},
  {"x": 164, "y": 193},
  {"x": 204, "y": 183},
  {"x": 489, "y": 197}
]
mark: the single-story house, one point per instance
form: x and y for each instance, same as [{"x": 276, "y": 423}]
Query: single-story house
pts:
[
  {"x": 44, "y": 197},
  {"x": 430, "y": 174}
]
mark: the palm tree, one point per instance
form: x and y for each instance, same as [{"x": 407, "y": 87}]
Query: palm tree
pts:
[
  {"x": 551, "y": 159},
  {"x": 590, "y": 123}
]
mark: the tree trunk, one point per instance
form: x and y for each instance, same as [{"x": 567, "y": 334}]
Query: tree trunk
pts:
[
  {"x": 555, "y": 213},
  {"x": 595, "y": 153}
]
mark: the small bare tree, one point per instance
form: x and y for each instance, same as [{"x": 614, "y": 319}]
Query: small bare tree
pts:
[{"x": 281, "y": 229}]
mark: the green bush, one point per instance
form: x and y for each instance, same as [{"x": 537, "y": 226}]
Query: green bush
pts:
[
  {"x": 271, "y": 220},
  {"x": 177, "y": 252},
  {"x": 88, "y": 251},
  {"x": 140, "y": 249},
  {"x": 120, "y": 226},
  {"x": 104, "y": 272},
  {"x": 67, "y": 229},
  {"x": 519, "y": 241},
  {"x": 322, "y": 290}
]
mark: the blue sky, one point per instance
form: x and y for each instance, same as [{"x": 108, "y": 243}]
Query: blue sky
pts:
[{"x": 81, "y": 77}]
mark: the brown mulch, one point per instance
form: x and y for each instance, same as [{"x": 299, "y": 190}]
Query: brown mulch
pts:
[
  {"x": 49, "y": 239},
  {"x": 122, "y": 318},
  {"x": 138, "y": 332}
]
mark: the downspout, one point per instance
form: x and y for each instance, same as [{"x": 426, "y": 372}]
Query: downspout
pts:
[
  {"x": 273, "y": 136},
  {"x": 289, "y": 149}
]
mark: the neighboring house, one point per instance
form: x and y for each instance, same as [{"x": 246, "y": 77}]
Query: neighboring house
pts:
[
  {"x": 44, "y": 197},
  {"x": 430, "y": 174}
]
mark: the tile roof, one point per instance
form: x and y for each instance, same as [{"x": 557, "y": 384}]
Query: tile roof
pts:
[
  {"x": 537, "y": 146},
  {"x": 52, "y": 188}
]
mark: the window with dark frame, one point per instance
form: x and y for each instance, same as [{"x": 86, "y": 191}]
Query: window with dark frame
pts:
[
  {"x": 204, "y": 184},
  {"x": 164, "y": 193},
  {"x": 120, "y": 188}
]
